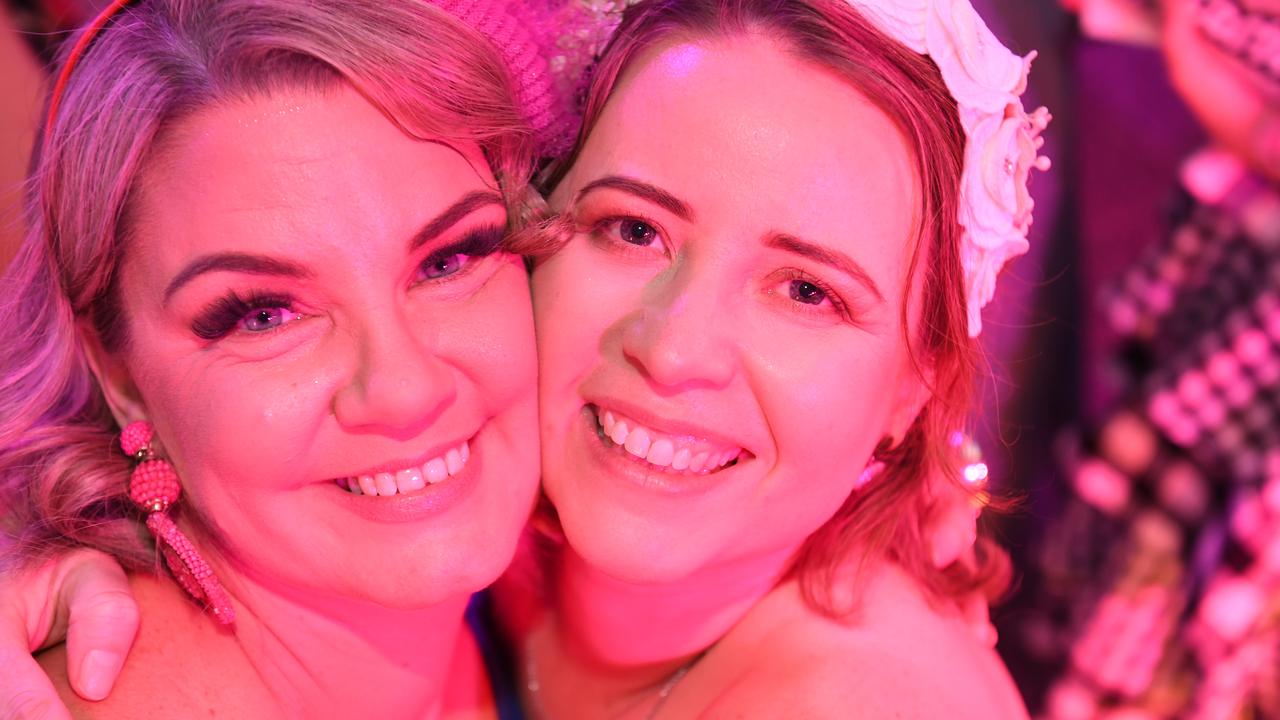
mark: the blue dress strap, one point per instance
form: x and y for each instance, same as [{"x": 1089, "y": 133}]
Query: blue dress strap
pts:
[{"x": 498, "y": 658}]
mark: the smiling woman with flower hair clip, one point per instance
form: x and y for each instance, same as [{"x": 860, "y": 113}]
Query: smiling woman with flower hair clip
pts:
[
  {"x": 757, "y": 299},
  {"x": 776, "y": 233}
]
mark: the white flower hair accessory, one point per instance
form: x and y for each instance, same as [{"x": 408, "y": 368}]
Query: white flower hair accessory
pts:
[{"x": 1003, "y": 140}]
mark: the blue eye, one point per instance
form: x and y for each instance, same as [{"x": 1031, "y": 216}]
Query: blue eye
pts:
[
  {"x": 806, "y": 292},
  {"x": 257, "y": 313},
  {"x": 439, "y": 267},
  {"x": 263, "y": 319},
  {"x": 456, "y": 257},
  {"x": 636, "y": 232}
]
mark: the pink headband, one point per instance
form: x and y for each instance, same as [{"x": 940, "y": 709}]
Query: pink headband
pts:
[{"x": 511, "y": 27}]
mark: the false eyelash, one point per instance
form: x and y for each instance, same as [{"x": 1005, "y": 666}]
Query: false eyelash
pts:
[
  {"x": 478, "y": 243},
  {"x": 224, "y": 314}
]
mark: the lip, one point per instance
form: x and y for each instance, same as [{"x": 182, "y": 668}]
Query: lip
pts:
[
  {"x": 393, "y": 466},
  {"x": 645, "y": 478},
  {"x": 675, "y": 428}
]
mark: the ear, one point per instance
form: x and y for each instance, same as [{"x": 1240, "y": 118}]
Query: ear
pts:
[{"x": 114, "y": 379}]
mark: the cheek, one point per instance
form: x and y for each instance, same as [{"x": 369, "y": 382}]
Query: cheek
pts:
[
  {"x": 239, "y": 424},
  {"x": 827, "y": 410},
  {"x": 490, "y": 339},
  {"x": 577, "y": 309}
]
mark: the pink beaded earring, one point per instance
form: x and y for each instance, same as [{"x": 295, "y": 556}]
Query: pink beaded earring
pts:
[
  {"x": 154, "y": 487},
  {"x": 874, "y": 467}
]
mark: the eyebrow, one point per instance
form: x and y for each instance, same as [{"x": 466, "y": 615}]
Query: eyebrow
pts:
[
  {"x": 266, "y": 265},
  {"x": 453, "y": 215},
  {"x": 826, "y": 256},
  {"x": 234, "y": 262},
  {"x": 639, "y": 188}
]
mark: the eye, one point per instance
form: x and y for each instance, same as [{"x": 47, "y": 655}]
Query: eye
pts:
[
  {"x": 803, "y": 291},
  {"x": 629, "y": 236},
  {"x": 435, "y": 268},
  {"x": 263, "y": 319},
  {"x": 635, "y": 231},
  {"x": 255, "y": 314},
  {"x": 461, "y": 255}
]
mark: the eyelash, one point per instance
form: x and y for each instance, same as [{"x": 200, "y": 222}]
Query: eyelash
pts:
[
  {"x": 837, "y": 303},
  {"x": 604, "y": 229},
  {"x": 601, "y": 229},
  {"x": 226, "y": 313},
  {"x": 476, "y": 244}
]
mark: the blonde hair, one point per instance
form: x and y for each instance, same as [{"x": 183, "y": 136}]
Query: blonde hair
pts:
[{"x": 62, "y": 481}]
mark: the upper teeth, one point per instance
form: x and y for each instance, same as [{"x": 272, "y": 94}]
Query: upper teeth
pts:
[
  {"x": 411, "y": 478},
  {"x": 668, "y": 451}
]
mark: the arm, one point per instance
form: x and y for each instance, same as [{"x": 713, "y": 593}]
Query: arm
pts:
[{"x": 82, "y": 597}]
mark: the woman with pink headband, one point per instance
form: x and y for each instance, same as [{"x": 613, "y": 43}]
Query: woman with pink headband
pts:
[
  {"x": 266, "y": 269},
  {"x": 773, "y": 240}
]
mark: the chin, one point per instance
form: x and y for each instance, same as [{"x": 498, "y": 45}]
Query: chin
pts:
[
  {"x": 418, "y": 583},
  {"x": 634, "y": 549}
]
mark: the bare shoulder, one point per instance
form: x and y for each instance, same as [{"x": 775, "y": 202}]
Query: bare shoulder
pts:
[
  {"x": 179, "y": 666},
  {"x": 124, "y": 702},
  {"x": 898, "y": 659}
]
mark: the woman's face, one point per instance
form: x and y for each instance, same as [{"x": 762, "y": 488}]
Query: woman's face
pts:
[
  {"x": 316, "y": 304},
  {"x": 729, "y": 310}
]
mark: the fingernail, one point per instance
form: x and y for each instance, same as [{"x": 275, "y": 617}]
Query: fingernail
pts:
[{"x": 98, "y": 672}]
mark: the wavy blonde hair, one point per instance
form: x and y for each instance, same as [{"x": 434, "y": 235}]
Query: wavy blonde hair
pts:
[{"x": 62, "y": 481}]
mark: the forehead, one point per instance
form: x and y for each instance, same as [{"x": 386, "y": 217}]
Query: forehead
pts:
[
  {"x": 294, "y": 171},
  {"x": 740, "y": 123}
]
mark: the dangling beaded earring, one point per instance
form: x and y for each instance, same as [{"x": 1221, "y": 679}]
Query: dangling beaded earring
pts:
[
  {"x": 874, "y": 467},
  {"x": 154, "y": 487}
]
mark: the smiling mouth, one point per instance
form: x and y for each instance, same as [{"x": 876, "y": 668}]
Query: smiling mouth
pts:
[
  {"x": 412, "y": 478},
  {"x": 663, "y": 452}
]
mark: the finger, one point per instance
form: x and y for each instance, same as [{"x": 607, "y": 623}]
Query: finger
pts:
[
  {"x": 952, "y": 529},
  {"x": 977, "y": 615},
  {"x": 102, "y": 622},
  {"x": 25, "y": 691}
]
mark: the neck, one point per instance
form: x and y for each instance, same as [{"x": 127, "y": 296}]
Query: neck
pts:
[
  {"x": 618, "y": 623},
  {"x": 337, "y": 657}
]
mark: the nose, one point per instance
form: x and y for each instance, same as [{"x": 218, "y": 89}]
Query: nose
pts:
[
  {"x": 398, "y": 386},
  {"x": 680, "y": 336}
]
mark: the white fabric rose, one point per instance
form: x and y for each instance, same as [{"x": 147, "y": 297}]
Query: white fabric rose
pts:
[
  {"x": 1003, "y": 142},
  {"x": 979, "y": 71}
]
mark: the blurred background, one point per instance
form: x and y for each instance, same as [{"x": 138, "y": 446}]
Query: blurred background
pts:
[{"x": 1133, "y": 394}]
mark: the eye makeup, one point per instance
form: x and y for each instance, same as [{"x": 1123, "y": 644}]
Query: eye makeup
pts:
[
  {"x": 225, "y": 314},
  {"x": 222, "y": 316},
  {"x": 479, "y": 242}
]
